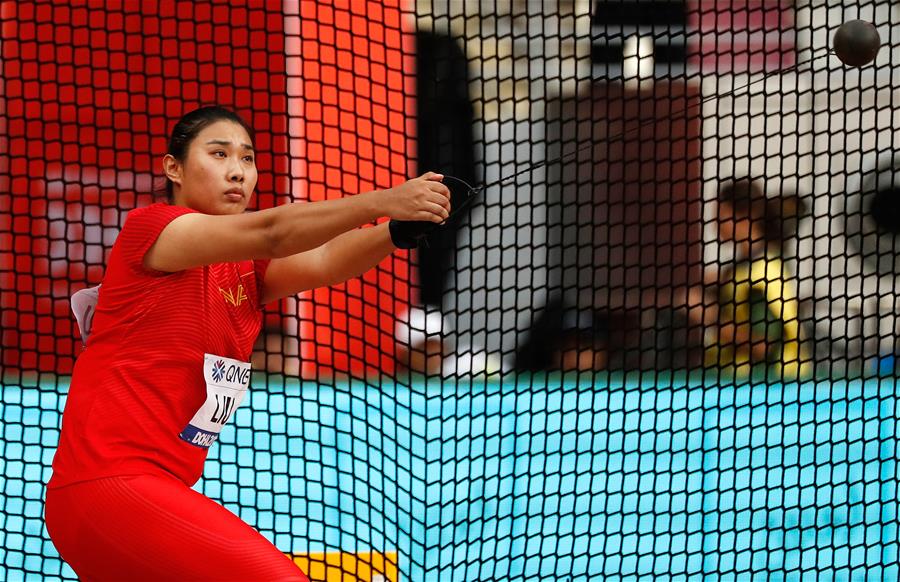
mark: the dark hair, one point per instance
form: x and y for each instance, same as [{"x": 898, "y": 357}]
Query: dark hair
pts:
[
  {"x": 193, "y": 123},
  {"x": 778, "y": 215}
]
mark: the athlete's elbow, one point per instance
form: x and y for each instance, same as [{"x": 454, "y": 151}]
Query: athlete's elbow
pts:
[{"x": 273, "y": 243}]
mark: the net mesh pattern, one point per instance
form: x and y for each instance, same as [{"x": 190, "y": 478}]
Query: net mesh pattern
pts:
[{"x": 595, "y": 371}]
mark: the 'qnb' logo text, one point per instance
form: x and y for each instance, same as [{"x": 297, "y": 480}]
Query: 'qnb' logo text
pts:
[
  {"x": 218, "y": 371},
  {"x": 237, "y": 374}
]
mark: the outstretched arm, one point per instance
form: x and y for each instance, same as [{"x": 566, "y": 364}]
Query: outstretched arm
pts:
[
  {"x": 345, "y": 257},
  {"x": 194, "y": 240}
]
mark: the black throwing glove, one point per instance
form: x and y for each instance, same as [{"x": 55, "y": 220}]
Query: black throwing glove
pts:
[{"x": 408, "y": 234}]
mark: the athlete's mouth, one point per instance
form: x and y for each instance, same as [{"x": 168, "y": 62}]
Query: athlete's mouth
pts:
[{"x": 234, "y": 194}]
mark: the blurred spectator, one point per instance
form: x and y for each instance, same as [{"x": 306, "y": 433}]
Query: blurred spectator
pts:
[
  {"x": 567, "y": 339},
  {"x": 420, "y": 341},
  {"x": 583, "y": 344},
  {"x": 425, "y": 345},
  {"x": 754, "y": 311},
  {"x": 444, "y": 140}
]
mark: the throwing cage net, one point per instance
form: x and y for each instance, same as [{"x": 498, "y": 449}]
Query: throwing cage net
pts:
[{"x": 617, "y": 360}]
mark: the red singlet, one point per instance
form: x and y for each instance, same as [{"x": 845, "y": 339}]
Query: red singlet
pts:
[{"x": 162, "y": 373}]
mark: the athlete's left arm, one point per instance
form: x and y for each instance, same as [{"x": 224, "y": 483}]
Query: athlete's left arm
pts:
[{"x": 344, "y": 257}]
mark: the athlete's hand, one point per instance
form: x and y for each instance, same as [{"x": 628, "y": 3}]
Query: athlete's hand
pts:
[{"x": 423, "y": 199}]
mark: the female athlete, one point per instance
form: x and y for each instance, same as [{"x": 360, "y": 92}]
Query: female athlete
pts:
[{"x": 165, "y": 364}]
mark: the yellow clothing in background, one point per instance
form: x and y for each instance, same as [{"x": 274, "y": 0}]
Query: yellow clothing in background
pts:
[{"x": 759, "y": 300}]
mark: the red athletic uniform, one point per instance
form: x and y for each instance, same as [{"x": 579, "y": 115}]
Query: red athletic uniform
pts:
[{"x": 164, "y": 369}]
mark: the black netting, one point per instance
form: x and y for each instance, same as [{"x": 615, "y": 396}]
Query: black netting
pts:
[{"x": 658, "y": 339}]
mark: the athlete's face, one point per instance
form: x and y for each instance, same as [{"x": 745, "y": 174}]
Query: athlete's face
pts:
[{"x": 218, "y": 173}]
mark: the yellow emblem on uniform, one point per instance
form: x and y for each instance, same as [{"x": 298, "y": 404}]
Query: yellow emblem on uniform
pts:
[{"x": 234, "y": 298}]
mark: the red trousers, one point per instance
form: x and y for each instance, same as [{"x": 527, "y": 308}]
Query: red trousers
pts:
[{"x": 157, "y": 528}]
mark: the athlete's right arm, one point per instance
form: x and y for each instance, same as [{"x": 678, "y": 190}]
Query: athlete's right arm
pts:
[{"x": 195, "y": 239}]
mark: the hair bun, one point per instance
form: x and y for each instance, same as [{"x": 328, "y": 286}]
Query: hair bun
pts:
[{"x": 791, "y": 206}]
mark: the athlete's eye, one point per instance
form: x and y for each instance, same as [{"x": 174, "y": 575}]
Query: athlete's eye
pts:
[
  {"x": 219, "y": 153},
  {"x": 248, "y": 159}
]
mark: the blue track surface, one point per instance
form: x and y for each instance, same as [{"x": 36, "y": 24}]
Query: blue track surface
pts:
[{"x": 550, "y": 478}]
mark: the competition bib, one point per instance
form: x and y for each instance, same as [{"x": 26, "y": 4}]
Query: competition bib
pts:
[{"x": 227, "y": 381}]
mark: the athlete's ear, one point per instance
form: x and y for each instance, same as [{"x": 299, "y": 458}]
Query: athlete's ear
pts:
[{"x": 172, "y": 168}]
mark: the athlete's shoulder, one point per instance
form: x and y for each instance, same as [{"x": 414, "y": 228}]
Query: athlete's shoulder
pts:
[
  {"x": 157, "y": 209},
  {"x": 141, "y": 229}
]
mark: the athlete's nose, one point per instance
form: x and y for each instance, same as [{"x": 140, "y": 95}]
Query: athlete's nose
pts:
[{"x": 236, "y": 173}]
